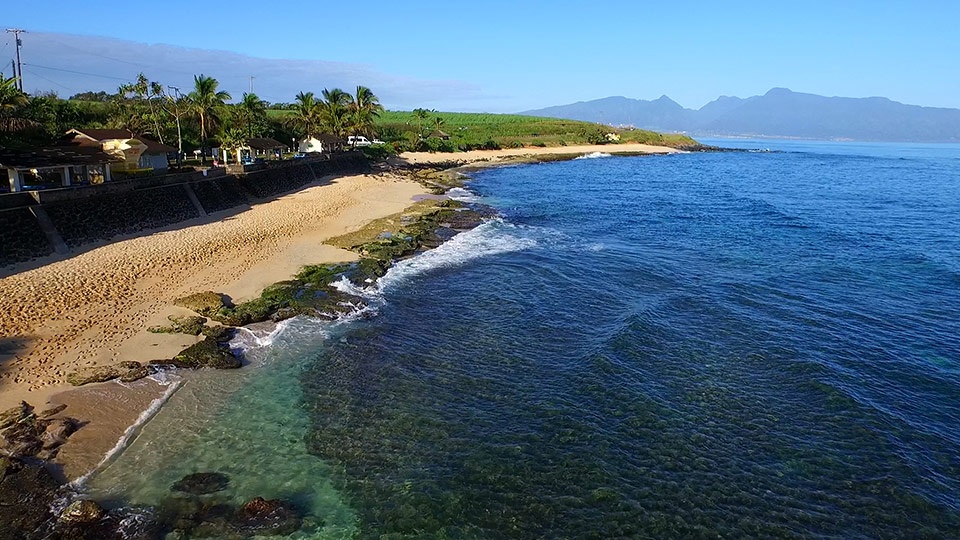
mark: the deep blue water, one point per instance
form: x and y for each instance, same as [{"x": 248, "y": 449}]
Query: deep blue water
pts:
[
  {"x": 700, "y": 345},
  {"x": 734, "y": 345}
]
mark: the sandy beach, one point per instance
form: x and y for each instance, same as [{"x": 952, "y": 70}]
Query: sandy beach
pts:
[{"x": 93, "y": 307}]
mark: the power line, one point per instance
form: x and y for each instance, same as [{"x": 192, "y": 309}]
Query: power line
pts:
[
  {"x": 49, "y": 80},
  {"x": 127, "y": 79}
]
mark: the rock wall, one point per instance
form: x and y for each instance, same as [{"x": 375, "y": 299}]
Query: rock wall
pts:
[
  {"x": 21, "y": 238},
  {"x": 92, "y": 219},
  {"x": 84, "y": 216},
  {"x": 220, "y": 194}
]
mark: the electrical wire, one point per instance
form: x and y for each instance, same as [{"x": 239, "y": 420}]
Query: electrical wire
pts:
[
  {"x": 37, "y": 75},
  {"x": 79, "y": 72}
]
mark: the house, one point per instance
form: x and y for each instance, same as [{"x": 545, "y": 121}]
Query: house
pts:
[
  {"x": 46, "y": 168},
  {"x": 135, "y": 152},
  {"x": 440, "y": 135},
  {"x": 265, "y": 146},
  {"x": 325, "y": 142}
]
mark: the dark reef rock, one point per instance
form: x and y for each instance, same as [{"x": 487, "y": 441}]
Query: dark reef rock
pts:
[
  {"x": 207, "y": 353},
  {"x": 125, "y": 371},
  {"x": 201, "y": 483},
  {"x": 27, "y": 492},
  {"x": 191, "y": 325},
  {"x": 24, "y": 434},
  {"x": 204, "y": 303},
  {"x": 268, "y": 517},
  {"x": 220, "y": 334},
  {"x": 82, "y": 512}
]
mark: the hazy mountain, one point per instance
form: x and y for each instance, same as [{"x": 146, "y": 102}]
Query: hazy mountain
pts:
[{"x": 778, "y": 113}]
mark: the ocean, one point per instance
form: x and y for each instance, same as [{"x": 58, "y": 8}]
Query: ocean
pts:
[{"x": 745, "y": 344}]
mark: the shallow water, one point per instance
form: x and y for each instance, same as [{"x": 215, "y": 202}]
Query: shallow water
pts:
[{"x": 748, "y": 344}]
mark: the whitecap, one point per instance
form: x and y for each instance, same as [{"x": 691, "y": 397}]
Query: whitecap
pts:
[
  {"x": 490, "y": 238},
  {"x": 594, "y": 155}
]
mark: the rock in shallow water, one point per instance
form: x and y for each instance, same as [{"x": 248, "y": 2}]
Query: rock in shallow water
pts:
[
  {"x": 82, "y": 512},
  {"x": 202, "y": 483}
]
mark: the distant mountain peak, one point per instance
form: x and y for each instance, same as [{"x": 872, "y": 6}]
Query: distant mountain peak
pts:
[{"x": 780, "y": 112}]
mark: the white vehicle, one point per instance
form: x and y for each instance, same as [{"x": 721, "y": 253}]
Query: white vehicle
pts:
[{"x": 357, "y": 140}]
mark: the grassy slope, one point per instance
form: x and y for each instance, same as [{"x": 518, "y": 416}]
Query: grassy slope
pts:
[
  {"x": 509, "y": 129},
  {"x": 513, "y": 129}
]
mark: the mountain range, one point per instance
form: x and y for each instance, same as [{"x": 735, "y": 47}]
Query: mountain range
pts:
[{"x": 778, "y": 113}]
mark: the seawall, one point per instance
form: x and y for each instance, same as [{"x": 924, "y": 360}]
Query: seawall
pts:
[{"x": 40, "y": 223}]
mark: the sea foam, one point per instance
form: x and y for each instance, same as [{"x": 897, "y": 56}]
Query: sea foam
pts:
[
  {"x": 490, "y": 238},
  {"x": 594, "y": 155},
  {"x": 173, "y": 384}
]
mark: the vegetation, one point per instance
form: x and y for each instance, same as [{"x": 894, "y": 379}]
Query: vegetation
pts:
[
  {"x": 470, "y": 131},
  {"x": 202, "y": 118}
]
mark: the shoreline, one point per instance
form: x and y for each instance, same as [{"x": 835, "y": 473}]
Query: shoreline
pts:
[{"x": 134, "y": 281}]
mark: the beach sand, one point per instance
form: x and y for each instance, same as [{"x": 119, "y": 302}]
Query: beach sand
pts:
[{"x": 94, "y": 307}]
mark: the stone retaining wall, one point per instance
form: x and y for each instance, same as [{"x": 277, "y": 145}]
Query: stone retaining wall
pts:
[
  {"x": 84, "y": 216},
  {"x": 83, "y": 221},
  {"x": 220, "y": 194},
  {"x": 21, "y": 238}
]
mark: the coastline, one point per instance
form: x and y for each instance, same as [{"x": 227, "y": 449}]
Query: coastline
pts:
[{"x": 94, "y": 308}]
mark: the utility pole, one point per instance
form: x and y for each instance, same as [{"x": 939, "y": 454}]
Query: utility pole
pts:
[
  {"x": 251, "y": 83},
  {"x": 176, "y": 114},
  {"x": 19, "y": 71}
]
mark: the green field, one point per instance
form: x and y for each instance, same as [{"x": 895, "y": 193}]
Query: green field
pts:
[{"x": 474, "y": 130}]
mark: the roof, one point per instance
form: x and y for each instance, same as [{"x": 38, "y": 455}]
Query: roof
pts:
[
  {"x": 264, "y": 143},
  {"x": 329, "y": 138},
  {"x": 153, "y": 147},
  {"x": 53, "y": 157},
  {"x": 440, "y": 134}
]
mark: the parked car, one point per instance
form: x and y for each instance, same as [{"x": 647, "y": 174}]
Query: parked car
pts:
[{"x": 358, "y": 140}]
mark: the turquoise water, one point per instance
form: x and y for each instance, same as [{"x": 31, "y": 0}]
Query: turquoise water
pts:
[{"x": 732, "y": 344}]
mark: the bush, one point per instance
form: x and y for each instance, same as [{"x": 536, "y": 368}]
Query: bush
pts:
[
  {"x": 379, "y": 152},
  {"x": 490, "y": 144},
  {"x": 539, "y": 144}
]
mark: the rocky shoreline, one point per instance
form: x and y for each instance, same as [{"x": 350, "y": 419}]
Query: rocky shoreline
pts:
[{"x": 32, "y": 498}]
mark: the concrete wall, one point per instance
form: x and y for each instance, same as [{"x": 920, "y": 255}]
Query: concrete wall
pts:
[{"x": 99, "y": 213}]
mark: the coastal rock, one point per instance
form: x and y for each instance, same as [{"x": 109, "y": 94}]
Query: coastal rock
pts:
[
  {"x": 202, "y": 483},
  {"x": 191, "y": 325},
  {"x": 82, "y": 512},
  {"x": 14, "y": 415},
  {"x": 27, "y": 492},
  {"x": 125, "y": 371},
  {"x": 269, "y": 517},
  {"x": 220, "y": 334},
  {"x": 207, "y": 353},
  {"x": 53, "y": 411},
  {"x": 57, "y": 432},
  {"x": 204, "y": 303}
]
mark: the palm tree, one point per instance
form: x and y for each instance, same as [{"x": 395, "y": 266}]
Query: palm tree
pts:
[
  {"x": 252, "y": 108},
  {"x": 206, "y": 100},
  {"x": 420, "y": 115},
  {"x": 12, "y": 102},
  {"x": 234, "y": 138},
  {"x": 306, "y": 114},
  {"x": 364, "y": 108},
  {"x": 335, "y": 111},
  {"x": 438, "y": 123}
]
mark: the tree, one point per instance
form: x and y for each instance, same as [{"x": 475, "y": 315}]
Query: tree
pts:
[
  {"x": 420, "y": 115},
  {"x": 307, "y": 114},
  {"x": 438, "y": 123},
  {"x": 364, "y": 109},
  {"x": 252, "y": 110},
  {"x": 18, "y": 114},
  {"x": 233, "y": 138},
  {"x": 206, "y": 100},
  {"x": 335, "y": 111}
]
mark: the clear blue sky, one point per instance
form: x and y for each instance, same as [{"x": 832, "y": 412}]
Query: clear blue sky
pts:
[{"x": 511, "y": 56}]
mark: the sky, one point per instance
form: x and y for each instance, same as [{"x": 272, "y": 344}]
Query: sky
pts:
[{"x": 497, "y": 56}]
